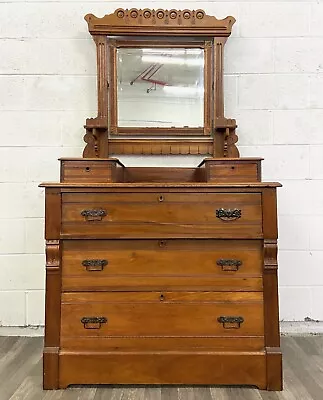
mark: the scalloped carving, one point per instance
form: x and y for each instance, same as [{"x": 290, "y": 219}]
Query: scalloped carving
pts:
[{"x": 123, "y": 19}]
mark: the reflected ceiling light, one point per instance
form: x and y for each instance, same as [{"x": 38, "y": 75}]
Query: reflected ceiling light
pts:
[
  {"x": 173, "y": 60},
  {"x": 173, "y": 51},
  {"x": 184, "y": 90}
]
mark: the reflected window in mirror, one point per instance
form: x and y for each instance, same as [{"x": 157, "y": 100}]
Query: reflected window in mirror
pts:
[{"x": 160, "y": 87}]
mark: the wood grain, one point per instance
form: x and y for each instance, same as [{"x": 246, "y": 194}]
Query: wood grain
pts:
[
  {"x": 162, "y": 264},
  {"x": 170, "y": 314}
]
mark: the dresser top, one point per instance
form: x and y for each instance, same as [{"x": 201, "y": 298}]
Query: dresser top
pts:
[{"x": 143, "y": 185}]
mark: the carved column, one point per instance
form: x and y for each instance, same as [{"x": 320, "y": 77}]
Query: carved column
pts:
[{"x": 53, "y": 289}]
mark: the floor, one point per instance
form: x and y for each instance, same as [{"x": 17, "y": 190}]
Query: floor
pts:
[{"x": 21, "y": 377}]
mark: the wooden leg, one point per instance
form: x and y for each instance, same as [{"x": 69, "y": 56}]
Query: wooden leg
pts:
[
  {"x": 274, "y": 368},
  {"x": 50, "y": 368}
]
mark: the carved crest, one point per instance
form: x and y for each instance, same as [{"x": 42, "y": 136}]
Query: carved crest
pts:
[{"x": 160, "y": 21}]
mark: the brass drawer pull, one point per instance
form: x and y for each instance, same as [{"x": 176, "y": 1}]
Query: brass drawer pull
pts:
[
  {"x": 93, "y": 215},
  {"x": 93, "y": 322},
  {"x": 229, "y": 265},
  {"x": 231, "y": 322},
  {"x": 161, "y": 198},
  {"x": 226, "y": 214},
  {"x": 161, "y": 297},
  {"x": 94, "y": 265}
]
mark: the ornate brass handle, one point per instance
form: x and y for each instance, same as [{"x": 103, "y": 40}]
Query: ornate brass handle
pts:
[
  {"x": 93, "y": 322},
  {"x": 93, "y": 215},
  {"x": 229, "y": 265},
  {"x": 231, "y": 322},
  {"x": 94, "y": 265},
  {"x": 225, "y": 214}
]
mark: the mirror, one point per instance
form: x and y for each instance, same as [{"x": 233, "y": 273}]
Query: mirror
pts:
[{"x": 160, "y": 87}]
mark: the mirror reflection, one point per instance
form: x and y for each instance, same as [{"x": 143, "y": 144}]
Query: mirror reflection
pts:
[{"x": 160, "y": 87}]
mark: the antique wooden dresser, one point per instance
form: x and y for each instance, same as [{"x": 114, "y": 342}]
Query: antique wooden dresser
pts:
[{"x": 161, "y": 275}]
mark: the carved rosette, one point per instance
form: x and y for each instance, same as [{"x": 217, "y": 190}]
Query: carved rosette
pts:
[{"x": 164, "y": 16}]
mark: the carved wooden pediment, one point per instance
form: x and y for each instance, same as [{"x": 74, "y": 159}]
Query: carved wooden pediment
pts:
[{"x": 159, "y": 21}]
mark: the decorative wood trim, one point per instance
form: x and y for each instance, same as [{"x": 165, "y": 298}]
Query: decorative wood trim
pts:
[
  {"x": 52, "y": 315},
  {"x": 208, "y": 113},
  {"x": 156, "y": 131},
  {"x": 230, "y": 144},
  {"x": 113, "y": 87},
  {"x": 159, "y": 22},
  {"x": 270, "y": 255},
  {"x": 161, "y": 146},
  {"x": 218, "y": 77},
  {"x": 102, "y": 75}
]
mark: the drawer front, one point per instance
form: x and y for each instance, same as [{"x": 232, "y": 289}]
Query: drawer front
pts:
[
  {"x": 161, "y": 314},
  {"x": 161, "y": 264},
  {"x": 129, "y": 215},
  {"x": 233, "y": 172},
  {"x": 86, "y": 170}
]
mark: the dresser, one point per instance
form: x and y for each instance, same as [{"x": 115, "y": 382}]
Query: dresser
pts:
[{"x": 161, "y": 275}]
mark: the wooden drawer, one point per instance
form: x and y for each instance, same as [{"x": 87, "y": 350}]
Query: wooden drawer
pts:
[
  {"x": 163, "y": 215},
  {"x": 232, "y": 170},
  {"x": 227, "y": 265},
  {"x": 91, "y": 170},
  {"x": 173, "y": 314}
]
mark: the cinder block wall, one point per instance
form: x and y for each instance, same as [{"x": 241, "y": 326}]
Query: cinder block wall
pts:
[{"x": 274, "y": 86}]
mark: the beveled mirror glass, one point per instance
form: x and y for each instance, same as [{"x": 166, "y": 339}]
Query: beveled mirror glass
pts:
[{"x": 160, "y": 87}]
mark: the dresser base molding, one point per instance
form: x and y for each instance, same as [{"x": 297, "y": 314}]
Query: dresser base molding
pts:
[{"x": 200, "y": 368}]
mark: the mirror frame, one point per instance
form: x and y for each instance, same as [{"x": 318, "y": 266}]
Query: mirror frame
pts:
[
  {"x": 217, "y": 138},
  {"x": 114, "y": 129}
]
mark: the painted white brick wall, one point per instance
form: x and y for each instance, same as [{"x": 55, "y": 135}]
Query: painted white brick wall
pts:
[{"x": 274, "y": 86}]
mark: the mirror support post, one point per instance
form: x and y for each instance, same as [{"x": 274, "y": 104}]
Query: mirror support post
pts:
[
  {"x": 97, "y": 128},
  {"x": 223, "y": 129}
]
